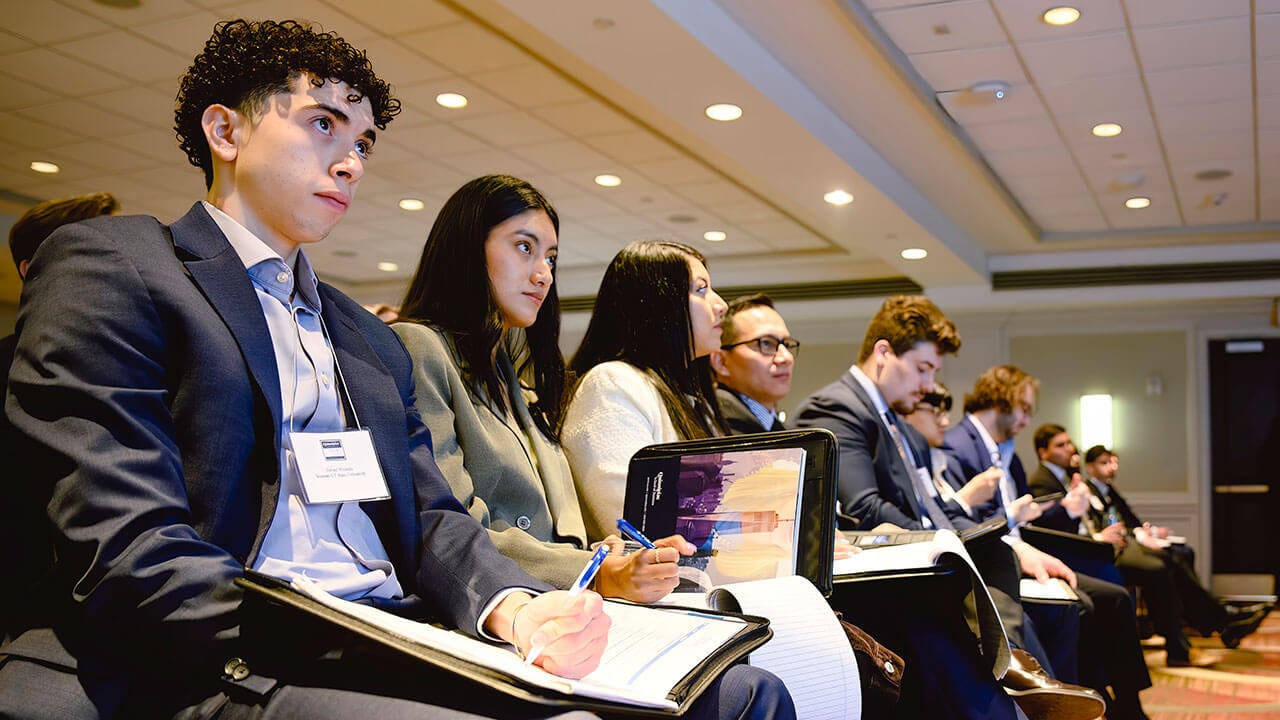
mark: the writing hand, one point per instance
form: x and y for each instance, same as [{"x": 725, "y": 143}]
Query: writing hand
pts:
[{"x": 569, "y": 631}]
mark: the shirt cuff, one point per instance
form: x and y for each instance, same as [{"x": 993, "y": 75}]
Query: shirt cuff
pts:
[{"x": 493, "y": 603}]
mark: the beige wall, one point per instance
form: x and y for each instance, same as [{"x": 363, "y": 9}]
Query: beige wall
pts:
[{"x": 1149, "y": 420}]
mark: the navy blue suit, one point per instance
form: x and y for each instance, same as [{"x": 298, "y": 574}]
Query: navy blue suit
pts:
[
  {"x": 1109, "y": 650},
  {"x": 146, "y": 380}
]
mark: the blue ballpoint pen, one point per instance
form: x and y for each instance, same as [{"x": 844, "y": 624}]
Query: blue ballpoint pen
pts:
[
  {"x": 584, "y": 579},
  {"x": 630, "y": 531}
]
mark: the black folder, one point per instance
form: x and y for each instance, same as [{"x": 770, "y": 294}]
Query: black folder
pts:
[
  {"x": 816, "y": 518},
  {"x": 270, "y": 600}
]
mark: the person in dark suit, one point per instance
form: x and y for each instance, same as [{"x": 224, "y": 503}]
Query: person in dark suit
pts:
[
  {"x": 1201, "y": 609},
  {"x": 753, "y": 365},
  {"x": 996, "y": 410},
  {"x": 884, "y": 474},
  {"x": 22, "y": 525},
  {"x": 170, "y": 378}
]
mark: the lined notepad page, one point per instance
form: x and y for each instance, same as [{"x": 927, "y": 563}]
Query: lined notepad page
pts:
[{"x": 809, "y": 649}]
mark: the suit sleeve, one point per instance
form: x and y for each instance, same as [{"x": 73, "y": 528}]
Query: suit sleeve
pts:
[
  {"x": 859, "y": 491},
  {"x": 88, "y": 388},
  {"x": 1056, "y": 516},
  {"x": 438, "y": 390}
]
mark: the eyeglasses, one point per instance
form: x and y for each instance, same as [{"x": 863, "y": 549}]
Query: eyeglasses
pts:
[{"x": 768, "y": 345}]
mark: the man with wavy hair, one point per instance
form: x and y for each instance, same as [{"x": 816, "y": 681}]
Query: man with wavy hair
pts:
[{"x": 172, "y": 378}]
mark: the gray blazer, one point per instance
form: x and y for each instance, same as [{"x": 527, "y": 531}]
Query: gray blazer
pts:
[{"x": 508, "y": 475}]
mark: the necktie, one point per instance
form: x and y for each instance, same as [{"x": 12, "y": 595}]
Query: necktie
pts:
[
  {"x": 1007, "y": 493},
  {"x": 928, "y": 503}
]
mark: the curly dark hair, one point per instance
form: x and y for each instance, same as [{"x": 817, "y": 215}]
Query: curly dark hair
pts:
[{"x": 244, "y": 63}]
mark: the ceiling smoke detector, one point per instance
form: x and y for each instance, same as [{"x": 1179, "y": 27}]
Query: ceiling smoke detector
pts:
[{"x": 996, "y": 89}]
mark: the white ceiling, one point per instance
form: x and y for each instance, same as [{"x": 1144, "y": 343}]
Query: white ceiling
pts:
[{"x": 871, "y": 98}]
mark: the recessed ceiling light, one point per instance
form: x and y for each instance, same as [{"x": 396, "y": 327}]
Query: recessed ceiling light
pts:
[
  {"x": 723, "y": 112},
  {"x": 1107, "y": 129},
  {"x": 714, "y": 236},
  {"x": 1062, "y": 15},
  {"x": 412, "y": 204},
  {"x": 47, "y": 168},
  {"x": 608, "y": 180},
  {"x": 1137, "y": 203},
  {"x": 453, "y": 101},
  {"x": 388, "y": 267},
  {"x": 914, "y": 254},
  {"x": 838, "y": 197}
]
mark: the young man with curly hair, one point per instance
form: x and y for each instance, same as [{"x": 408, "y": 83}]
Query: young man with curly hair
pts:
[{"x": 173, "y": 378}]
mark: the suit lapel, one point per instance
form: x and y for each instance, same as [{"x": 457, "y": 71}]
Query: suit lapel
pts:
[
  {"x": 222, "y": 278},
  {"x": 885, "y": 446}
]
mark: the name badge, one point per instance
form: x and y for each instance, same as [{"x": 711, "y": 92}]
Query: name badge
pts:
[{"x": 338, "y": 467}]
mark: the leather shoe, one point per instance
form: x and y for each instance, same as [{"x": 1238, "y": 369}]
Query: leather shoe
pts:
[
  {"x": 1042, "y": 698},
  {"x": 1241, "y": 626},
  {"x": 1195, "y": 659}
]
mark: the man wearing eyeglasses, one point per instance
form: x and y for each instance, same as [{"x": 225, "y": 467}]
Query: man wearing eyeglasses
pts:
[{"x": 753, "y": 365}]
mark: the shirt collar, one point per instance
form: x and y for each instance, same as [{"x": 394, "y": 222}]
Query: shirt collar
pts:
[
  {"x": 987, "y": 441},
  {"x": 1058, "y": 472},
  {"x": 867, "y": 384},
  {"x": 758, "y": 410},
  {"x": 267, "y": 269}
]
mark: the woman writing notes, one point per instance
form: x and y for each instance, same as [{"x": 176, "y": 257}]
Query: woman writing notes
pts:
[{"x": 482, "y": 323}]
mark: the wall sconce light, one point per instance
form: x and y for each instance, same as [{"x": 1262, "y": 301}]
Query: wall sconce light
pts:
[{"x": 1095, "y": 421}]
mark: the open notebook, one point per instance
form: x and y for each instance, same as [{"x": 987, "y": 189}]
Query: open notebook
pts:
[{"x": 658, "y": 662}]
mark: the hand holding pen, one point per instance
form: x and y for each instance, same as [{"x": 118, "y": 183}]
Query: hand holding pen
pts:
[
  {"x": 582, "y": 583},
  {"x": 645, "y": 576}
]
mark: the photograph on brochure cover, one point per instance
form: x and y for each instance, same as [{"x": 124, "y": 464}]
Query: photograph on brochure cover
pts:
[{"x": 739, "y": 508}]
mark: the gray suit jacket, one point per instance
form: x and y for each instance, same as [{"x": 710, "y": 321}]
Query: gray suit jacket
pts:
[
  {"x": 145, "y": 378},
  {"x": 514, "y": 480}
]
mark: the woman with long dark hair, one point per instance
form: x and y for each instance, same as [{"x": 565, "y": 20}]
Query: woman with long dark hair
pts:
[
  {"x": 481, "y": 320},
  {"x": 642, "y": 371}
]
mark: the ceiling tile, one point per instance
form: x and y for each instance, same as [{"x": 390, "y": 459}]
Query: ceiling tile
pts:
[
  {"x": 750, "y": 211},
  {"x": 1078, "y": 127},
  {"x": 58, "y": 73},
  {"x": 1212, "y": 83},
  {"x": 1107, "y": 180},
  {"x": 1056, "y": 206},
  {"x": 1117, "y": 155},
  {"x": 1169, "y": 12},
  {"x": 959, "y": 69},
  {"x": 632, "y": 147},
  {"x": 529, "y": 86},
  {"x": 308, "y": 11},
  {"x": 488, "y": 162},
  {"x": 1024, "y": 23},
  {"x": 1269, "y": 204},
  {"x": 81, "y": 118},
  {"x": 1062, "y": 61},
  {"x": 1195, "y": 120},
  {"x": 1269, "y": 112},
  {"x": 969, "y": 108},
  {"x": 12, "y": 43},
  {"x": 21, "y": 95},
  {"x": 585, "y": 119},
  {"x": 674, "y": 171},
  {"x": 466, "y": 48},
  {"x": 1269, "y": 79},
  {"x": 422, "y": 98},
  {"x": 1019, "y": 163},
  {"x": 162, "y": 147},
  {"x": 34, "y": 134},
  {"x": 432, "y": 140},
  {"x": 126, "y": 54},
  {"x": 1269, "y": 149},
  {"x": 565, "y": 155},
  {"x": 1267, "y": 28},
  {"x": 399, "y": 65},
  {"x": 585, "y": 207},
  {"x": 399, "y": 18},
  {"x": 1071, "y": 222},
  {"x": 509, "y": 128},
  {"x": 1207, "y": 43},
  {"x": 715, "y": 193},
  {"x": 106, "y": 156},
  {"x": 1240, "y": 180},
  {"x": 1209, "y": 147},
  {"x": 139, "y": 102},
  {"x": 1102, "y": 95},
  {"x": 185, "y": 34},
  {"x": 1048, "y": 186},
  {"x": 784, "y": 235},
  {"x": 49, "y": 22},
  {"x": 944, "y": 26},
  {"x": 1014, "y": 134}
]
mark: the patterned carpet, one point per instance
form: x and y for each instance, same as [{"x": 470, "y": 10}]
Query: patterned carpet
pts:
[{"x": 1244, "y": 686}]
